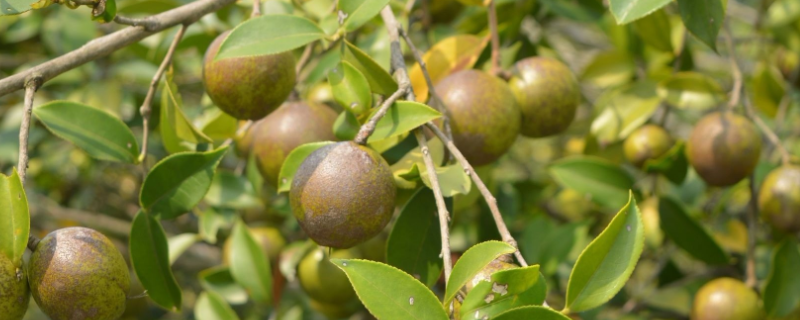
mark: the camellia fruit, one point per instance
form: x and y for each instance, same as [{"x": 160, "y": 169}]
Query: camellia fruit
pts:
[
  {"x": 779, "y": 198},
  {"x": 646, "y": 143},
  {"x": 547, "y": 93},
  {"x": 324, "y": 281},
  {"x": 724, "y": 148},
  {"x": 726, "y": 299}
]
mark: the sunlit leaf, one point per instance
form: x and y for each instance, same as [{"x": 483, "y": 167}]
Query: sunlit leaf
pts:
[
  {"x": 532, "y": 312},
  {"x": 401, "y": 118},
  {"x": 691, "y": 90},
  {"x": 360, "y": 11},
  {"x": 767, "y": 89},
  {"x": 471, "y": 262},
  {"x": 12, "y": 7},
  {"x": 269, "y": 34},
  {"x": 606, "y": 182},
  {"x": 211, "y": 306},
  {"x": 446, "y": 57},
  {"x": 655, "y": 30},
  {"x": 505, "y": 290},
  {"x": 15, "y": 220},
  {"x": 624, "y": 110},
  {"x": 626, "y": 11},
  {"x": 609, "y": 69},
  {"x": 350, "y": 88},
  {"x": 249, "y": 265},
  {"x": 177, "y": 132},
  {"x": 380, "y": 81},
  {"x": 179, "y": 244}
]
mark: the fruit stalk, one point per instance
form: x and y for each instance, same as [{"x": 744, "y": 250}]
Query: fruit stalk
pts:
[
  {"x": 145, "y": 109},
  {"x": 736, "y": 92},
  {"x": 256, "y": 9},
  {"x": 107, "y": 44},
  {"x": 495, "y": 38},
  {"x": 487, "y": 195}
]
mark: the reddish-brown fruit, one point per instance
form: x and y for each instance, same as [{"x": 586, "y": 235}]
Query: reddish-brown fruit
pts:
[
  {"x": 483, "y": 114},
  {"x": 343, "y": 194},
  {"x": 548, "y": 95},
  {"x": 248, "y": 88},
  {"x": 724, "y": 148},
  {"x": 726, "y": 299},
  {"x": 779, "y": 198},
  {"x": 293, "y": 124}
]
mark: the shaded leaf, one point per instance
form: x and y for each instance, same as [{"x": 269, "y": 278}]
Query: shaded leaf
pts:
[
  {"x": 691, "y": 90},
  {"x": 149, "y": 254},
  {"x": 229, "y": 190},
  {"x": 626, "y": 11},
  {"x": 15, "y": 220},
  {"x": 219, "y": 125},
  {"x": 97, "y": 132},
  {"x": 389, "y": 293},
  {"x": 346, "y": 126},
  {"x": 672, "y": 164},
  {"x": 549, "y": 245},
  {"x": 446, "y": 57},
  {"x": 380, "y": 81},
  {"x": 177, "y": 133},
  {"x": 178, "y": 182},
  {"x": 360, "y": 11},
  {"x": 782, "y": 292},
  {"x": 220, "y": 280},
  {"x": 703, "y": 18},
  {"x": 401, "y": 118},
  {"x": 211, "y": 306},
  {"x": 507, "y": 289},
  {"x": 293, "y": 162},
  {"x": 655, "y": 30},
  {"x": 767, "y": 89},
  {"x": 609, "y": 69},
  {"x": 688, "y": 234},
  {"x": 624, "y": 110},
  {"x": 415, "y": 242},
  {"x": 606, "y": 182},
  {"x": 608, "y": 261},
  {"x": 350, "y": 88},
  {"x": 471, "y": 262},
  {"x": 269, "y": 34},
  {"x": 532, "y": 312},
  {"x": 249, "y": 266}
]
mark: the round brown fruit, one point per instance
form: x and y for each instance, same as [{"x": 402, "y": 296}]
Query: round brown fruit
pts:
[
  {"x": 14, "y": 292},
  {"x": 724, "y": 148},
  {"x": 486, "y": 273},
  {"x": 483, "y": 114},
  {"x": 244, "y": 143},
  {"x": 646, "y": 143},
  {"x": 77, "y": 273},
  {"x": 726, "y": 299},
  {"x": 269, "y": 238},
  {"x": 293, "y": 124},
  {"x": 343, "y": 194},
  {"x": 779, "y": 198},
  {"x": 248, "y": 88},
  {"x": 547, "y": 93},
  {"x": 322, "y": 280}
]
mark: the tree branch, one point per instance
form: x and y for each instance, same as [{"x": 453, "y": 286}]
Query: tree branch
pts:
[
  {"x": 31, "y": 85},
  {"x": 147, "y": 22},
  {"x": 487, "y": 195},
  {"x": 368, "y": 128},
  {"x": 444, "y": 216},
  {"x": 105, "y": 45},
  {"x": 492, "y": 11},
  {"x": 145, "y": 109}
]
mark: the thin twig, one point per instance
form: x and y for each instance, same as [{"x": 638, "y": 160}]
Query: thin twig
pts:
[
  {"x": 256, "y": 9},
  {"x": 752, "y": 226},
  {"x": 305, "y": 57},
  {"x": 368, "y": 128},
  {"x": 145, "y": 110},
  {"x": 107, "y": 44},
  {"x": 487, "y": 195},
  {"x": 31, "y": 86},
  {"x": 736, "y": 92},
  {"x": 495, "y": 38},
  {"x": 444, "y": 216},
  {"x": 439, "y": 102}
]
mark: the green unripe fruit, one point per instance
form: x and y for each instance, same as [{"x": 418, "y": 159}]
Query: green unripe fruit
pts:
[
  {"x": 483, "y": 114},
  {"x": 14, "y": 293},
  {"x": 646, "y": 143},
  {"x": 336, "y": 310},
  {"x": 548, "y": 95},
  {"x": 248, "y": 88},
  {"x": 77, "y": 273},
  {"x": 724, "y": 148},
  {"x": 293, "y": 124},
  {"x": 343, "y": 194},
  {"x": 726, "y": 299},
  {"x": 269, "y": 238},
  {"x": 324, "y": 281},
  {"x": 779, "y": 198},
  {"x": 486, "y": 273}
]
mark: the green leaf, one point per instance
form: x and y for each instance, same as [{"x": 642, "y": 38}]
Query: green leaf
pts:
[
  {"x": 350, "y": 88},
  {"x": 14, "y": 7},
  {"x": 220, "y": 280},
  {"x": 548, "y": 244},
  {"x": 219, "y": 125},
  {"x": 291, "y": 255},
  {"x": 782, "y": 13},
  {"x": 15, "y": 219},
  {"x": 532, "y": 312},
  {"x": 177, "y": 133},
  {"x": 229, "y": 190},
  {"x": 672, "y": 164},
  {"x": 688, "y": 233},
  {"x": 623, "y": 111},
  {"x": 452, "y": 179},
  {"x": 269, "y": 34},
  {"x": 179, "y": 244},
  {"x": 415, "y": 242},
  {"x": 703, "y": 18},
  {"x": 249, "y": 266},
  {"x": 97, "y": 132},
  {"x": 609, "y": 69},
  {"x": 626, "y": 11},
  {"x": 380, "y": 81},
  {"x": 406, "y": 171},
  {"x": 402, "y": 117},
  {"x": 293, "y": 162},
  {"x": 150, "y": 259},
  {"x": 782, "y": 292},
  {"x": 655, "y": 30},
  {"x": 210, "y": 221},
  {"x": 346, "y": 126},
  {"x": 178, "y": 182},
  {"x": 691, "y": 90},
  {"x": 507, "y": 289},
  {"x": 389, "y": 293},
  {"x": 471, "y": 262},
  {"x": 608, "y": 261},
  {"x": 767, "y": 88},
  {"x": 606, "y": 182},
  {"x": 211, "y": 306},
  {"x": 360, "y": 12}
]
